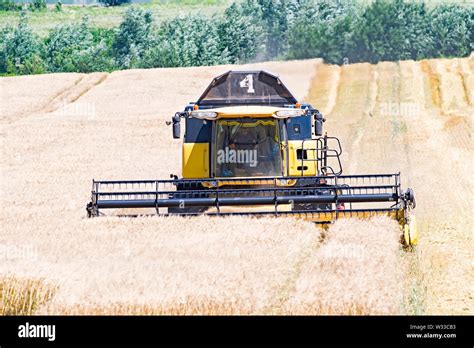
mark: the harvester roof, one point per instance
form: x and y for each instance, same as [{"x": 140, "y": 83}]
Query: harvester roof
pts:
[{"x": 235, "y": 88}]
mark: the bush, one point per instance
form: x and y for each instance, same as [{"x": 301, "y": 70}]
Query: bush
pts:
[
  {"x": 241, "y": 41},
  {"x": 452, "y": 31},
  {"x": 276, "y": 16},
  {"x": 105, "y": 35},
  {"x": 114, "y": 2},
  {"x": 37, "y": 5},
  {"x": 323, "y": 29},
  {"x": 20, "y": 50},
  {"x": 133, "y": 37},
  {"x": 384, "y": 30},
  {"x": 186, "y": 41},
  {"x": 74, "y": 48},
  {"x": 249, "y": 30},
  {"x": 391, "y": 31},
  {"x": 9, "y": 5},
  {"x": 58, "y": 7},
  {"x": 269, "y": 20}
]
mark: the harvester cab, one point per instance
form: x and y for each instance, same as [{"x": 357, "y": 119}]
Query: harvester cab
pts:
[
  {"x": 251, "y": 148},
  {"x": 248, "y": 124}
]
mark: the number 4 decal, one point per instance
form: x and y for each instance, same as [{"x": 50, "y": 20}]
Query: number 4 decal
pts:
[{"x": 247, "y": 82}]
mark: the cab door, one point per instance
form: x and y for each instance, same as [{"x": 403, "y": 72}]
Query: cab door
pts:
[{"x": 284, "y": 148}]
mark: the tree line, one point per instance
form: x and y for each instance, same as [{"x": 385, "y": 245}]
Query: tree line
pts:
[{"x": 251, "y": 30}]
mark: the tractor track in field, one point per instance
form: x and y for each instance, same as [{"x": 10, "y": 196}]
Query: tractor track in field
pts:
[
  {"x": 283, "y": 291},
  {"x": 67, "y": 95},
  {"x": 468, "y": 79},
  {"x": 70, "y": 95},
  {"x": 325, "y": 86},
  {"x": 456, "y": 112}
]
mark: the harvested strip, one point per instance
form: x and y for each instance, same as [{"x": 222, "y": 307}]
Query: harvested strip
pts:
[{"x": 356, "y": 272}]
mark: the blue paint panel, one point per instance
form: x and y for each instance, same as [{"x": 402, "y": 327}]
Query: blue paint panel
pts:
[
  {"x": 299, "y": 128},
  {"x": 197, "y": 131}
]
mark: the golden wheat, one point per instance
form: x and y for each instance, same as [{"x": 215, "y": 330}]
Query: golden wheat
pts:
[{"x": 19, "y": 296}]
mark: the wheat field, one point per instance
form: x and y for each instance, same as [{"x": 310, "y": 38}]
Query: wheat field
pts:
[{"x": 59, "y": 131}]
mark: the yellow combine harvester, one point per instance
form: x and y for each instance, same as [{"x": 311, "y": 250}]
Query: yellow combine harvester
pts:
[{"x": 250, "y": 148}]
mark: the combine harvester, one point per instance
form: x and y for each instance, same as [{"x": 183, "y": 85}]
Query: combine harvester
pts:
[{"x": 250, "y": 148}]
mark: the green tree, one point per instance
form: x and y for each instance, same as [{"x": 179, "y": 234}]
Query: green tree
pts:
[
  {"x": 276, "y": 15},
  {"x": 37, "y": 5},
  {"x": 240, "y": 35},
  {"x": 391, "y": 30},
  {"x": 323, "y": 29},
  {"x": 249, "y": 30},
  {"x": 73, "y": 48},
  {"x": 20, "y": 50},
  {"x": 274, "y": 18},
  {"x": 133, "y": 37},
  {"x": 114, "y": 2},
  {"x": 452, "y": 30},
  {"x": 186, "y": 41},
  {"x": 58, "y": 7},
  {"x": 9, "y": 5}
]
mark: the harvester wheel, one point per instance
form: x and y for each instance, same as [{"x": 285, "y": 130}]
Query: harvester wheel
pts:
[{"x": 410, "y": 232}]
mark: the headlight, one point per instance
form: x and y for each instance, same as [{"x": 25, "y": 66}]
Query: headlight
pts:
[
  {"x": 289, "y": 113},
  {"x": 204, "y": 114}
]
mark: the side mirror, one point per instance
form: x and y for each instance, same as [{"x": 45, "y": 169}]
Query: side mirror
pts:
[
  {"x": 318, "y": 123},
  {"x": 176, "y": 126}
]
